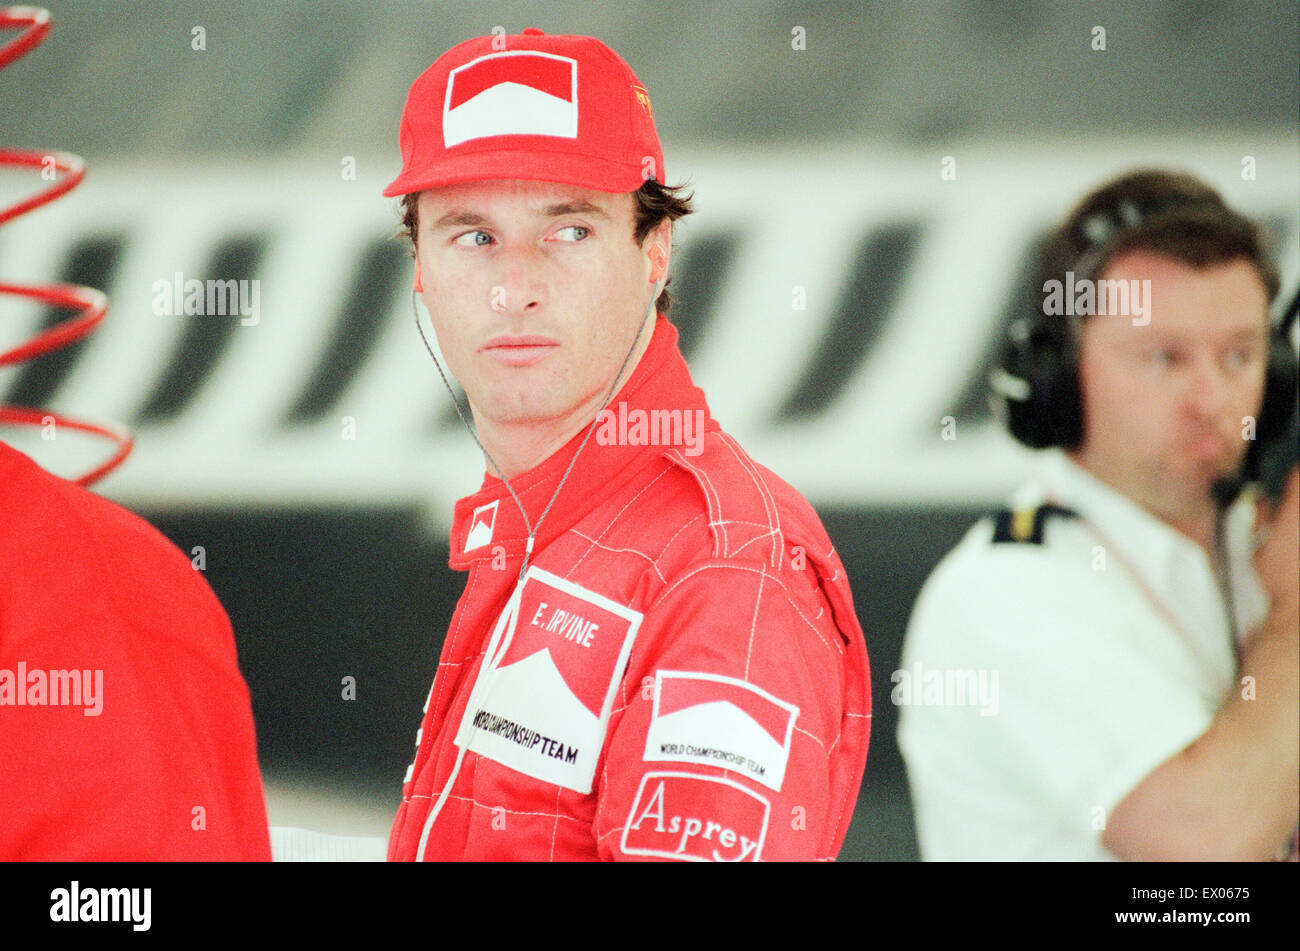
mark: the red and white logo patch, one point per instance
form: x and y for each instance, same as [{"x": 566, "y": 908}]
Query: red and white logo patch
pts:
[
  {"x": 720, "y": 721},
  {"x": 695, "y": 819},
  {"x": 511, "y": 93},
  {"x": 542, "y": 705},
  {"x": 481, "y": 523},
  {"x": 581, "y": 637}
]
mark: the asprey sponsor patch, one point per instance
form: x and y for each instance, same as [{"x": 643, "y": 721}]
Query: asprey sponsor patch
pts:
[
  {"x": 542, "y": 704},
  {"x": 695, "y": 819},
  {"x": 720, "y": 721}
]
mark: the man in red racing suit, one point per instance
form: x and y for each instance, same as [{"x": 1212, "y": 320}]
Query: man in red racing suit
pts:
[
  {"x": 736, "y": 728},
  {"x": 661, "y": 659}
]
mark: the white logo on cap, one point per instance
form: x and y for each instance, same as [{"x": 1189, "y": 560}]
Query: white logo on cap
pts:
[{"x": 512, "y": 93}]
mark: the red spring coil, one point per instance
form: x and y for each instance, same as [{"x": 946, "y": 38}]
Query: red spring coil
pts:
[{"x": 90, "y": 303}]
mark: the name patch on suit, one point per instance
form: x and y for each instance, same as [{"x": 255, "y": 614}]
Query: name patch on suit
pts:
[{"x": 542, "y": 704}]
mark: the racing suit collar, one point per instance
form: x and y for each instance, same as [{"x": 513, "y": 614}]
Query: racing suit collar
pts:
[{"x": 488, "y": 522}]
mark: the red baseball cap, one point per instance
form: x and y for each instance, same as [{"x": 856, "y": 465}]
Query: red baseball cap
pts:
[{"x": 545, "y": 108}]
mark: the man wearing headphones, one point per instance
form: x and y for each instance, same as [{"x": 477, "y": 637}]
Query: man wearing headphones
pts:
[
  {"x": 1139, "y": 632},
  {"x": 656, "y": 653}
]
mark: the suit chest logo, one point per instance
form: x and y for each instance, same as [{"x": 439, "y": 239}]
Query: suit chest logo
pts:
[{"x": 542, "y": 701}]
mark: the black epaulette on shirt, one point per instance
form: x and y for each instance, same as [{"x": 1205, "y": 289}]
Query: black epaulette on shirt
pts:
[{"x": 1026, "y": 525}]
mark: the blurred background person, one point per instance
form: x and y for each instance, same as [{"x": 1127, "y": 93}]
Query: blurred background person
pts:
[
  {"x": 126, "y": 732},
  {"x": 125, "y": 725},
  {"x": 1140, "y": 646}
]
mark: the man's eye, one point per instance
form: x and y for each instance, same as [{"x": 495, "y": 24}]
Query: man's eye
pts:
[
  {"x": 474, "y": 239},
  {"x": 573, "y": 233},
  {"x": 1239, "y": 358},
  {"x": 1161, "y": 357}
]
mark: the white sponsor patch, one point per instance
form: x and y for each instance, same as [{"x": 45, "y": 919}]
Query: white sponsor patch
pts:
[
  {"x": 511, "y": 93},
  {"x": 720, "y": 721},
  {"x": 542, "y": 704},
  {"x": 481, "y": 524}
]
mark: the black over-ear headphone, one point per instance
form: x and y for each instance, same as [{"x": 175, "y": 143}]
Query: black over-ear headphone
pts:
[{"x": 1037, "y": 382}]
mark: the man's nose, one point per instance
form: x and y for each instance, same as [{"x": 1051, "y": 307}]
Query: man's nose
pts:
[
  {"x": 1208, "y": 386},
  {"x": 521, "y": 286}
]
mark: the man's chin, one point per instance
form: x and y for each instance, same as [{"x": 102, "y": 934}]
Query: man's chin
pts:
[
  {"x": 1202, "y": 473},
  {"x": 514, "y": 416},
  {"x": 523, "y": 408}
]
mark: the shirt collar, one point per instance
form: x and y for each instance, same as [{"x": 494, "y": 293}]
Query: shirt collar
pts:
[
  {"x": 489, "y": 520},
  {"x": 1155, "y": 550}
]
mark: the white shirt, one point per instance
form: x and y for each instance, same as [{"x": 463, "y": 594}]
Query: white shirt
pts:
[{"x": 1096, "y": 656}]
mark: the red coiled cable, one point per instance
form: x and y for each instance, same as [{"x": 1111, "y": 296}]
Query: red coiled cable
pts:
[{"x": 91, "y": 304}]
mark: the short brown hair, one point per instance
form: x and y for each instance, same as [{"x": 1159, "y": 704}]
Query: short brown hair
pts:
[
  {"x": 654, "y": 204},
  {"x": 1169, "y": 213}
]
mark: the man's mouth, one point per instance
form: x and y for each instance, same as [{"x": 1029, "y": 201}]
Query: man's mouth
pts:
[
  {"x": 1208, "y": 445},
  {"x": 519, "y": 350}
]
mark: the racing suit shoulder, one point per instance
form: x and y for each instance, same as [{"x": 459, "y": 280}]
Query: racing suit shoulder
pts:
[
  {"x": 745, "y": 708},
  {"x": 751, "y": 512}
]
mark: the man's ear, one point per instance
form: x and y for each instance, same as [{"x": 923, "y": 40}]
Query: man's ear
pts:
[
  {"x": 660, "y": 247},
  {"x": 419, "y": 284},
  {"x": 658, "y": 263}
]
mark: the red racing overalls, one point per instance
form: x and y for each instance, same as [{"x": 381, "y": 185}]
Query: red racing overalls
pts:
[{"x": 681, "y": 674}]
